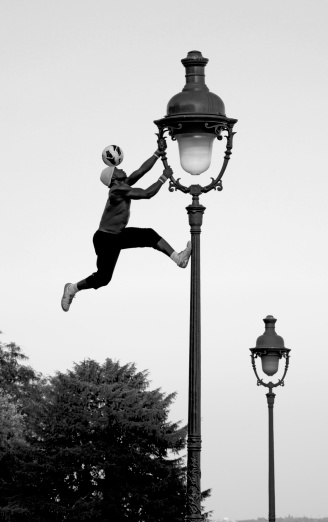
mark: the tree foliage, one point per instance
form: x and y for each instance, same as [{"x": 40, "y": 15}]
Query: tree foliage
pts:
[
  {"x": 109, "y": 439},
  {"x": 11, "y": 423},
  {"x": 93, "y": 443}
]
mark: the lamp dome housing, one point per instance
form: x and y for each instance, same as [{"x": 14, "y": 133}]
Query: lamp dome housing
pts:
[{"x": 195, "y": 97}]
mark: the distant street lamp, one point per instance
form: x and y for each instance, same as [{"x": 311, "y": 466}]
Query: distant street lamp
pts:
[
  {"x": 195, "y": 117},
  {"x": 270, "y": 348}
]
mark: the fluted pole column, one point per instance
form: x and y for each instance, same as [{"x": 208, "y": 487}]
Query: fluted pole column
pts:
[
  {"x": 272, "y": 502},
  {"x": 195, "y": 212}
]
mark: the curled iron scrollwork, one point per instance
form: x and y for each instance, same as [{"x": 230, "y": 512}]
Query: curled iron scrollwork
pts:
[
  {"x": 216, "y": 183},
  {"x": 281, "y": 382},
  {"x": 171, "y": 130},
  {"x": 218, "y": 127},
  {"x": 174, "y": 184}
]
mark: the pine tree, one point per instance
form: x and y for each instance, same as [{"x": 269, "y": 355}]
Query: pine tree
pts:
[
  {"x": 98, "y": 446},
  {"x": 110, "y": 439}
]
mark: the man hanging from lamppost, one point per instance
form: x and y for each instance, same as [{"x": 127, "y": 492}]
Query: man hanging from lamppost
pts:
[{"x": 112, "y": 235}]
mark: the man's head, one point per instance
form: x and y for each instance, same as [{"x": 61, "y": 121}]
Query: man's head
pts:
[
  {"x": 113, "y": 175},
  {"x": 106, "y": 175},
  {"x": 119, "y": 176}
]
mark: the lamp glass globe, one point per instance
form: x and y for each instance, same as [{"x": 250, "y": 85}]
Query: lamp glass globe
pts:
[
  {"x": 270, "y": 363},
  {"x": 195, "y": 151}
]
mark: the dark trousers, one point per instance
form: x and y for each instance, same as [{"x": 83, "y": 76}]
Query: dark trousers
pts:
[{"x": 109, "y": 246}]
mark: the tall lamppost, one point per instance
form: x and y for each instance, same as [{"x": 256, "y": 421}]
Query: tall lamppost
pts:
[
  {"x": 195, "y": 117},
  {"x": 270, "y": 348}
]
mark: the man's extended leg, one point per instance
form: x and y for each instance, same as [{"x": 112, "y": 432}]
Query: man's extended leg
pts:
[
  {"x": 147, "y": 237},
  {"x": 164, "y": 247}
]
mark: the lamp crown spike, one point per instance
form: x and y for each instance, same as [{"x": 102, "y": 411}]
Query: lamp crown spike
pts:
[
  {"x": 194, "y": 58},
  {"x": 269, "y": 321},
  {"x": 270, "y": 338}
]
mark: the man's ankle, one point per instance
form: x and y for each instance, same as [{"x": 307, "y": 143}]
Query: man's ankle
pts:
[
  {"x": 72, "y": 289},
  {"x": 175, "y": 257}
]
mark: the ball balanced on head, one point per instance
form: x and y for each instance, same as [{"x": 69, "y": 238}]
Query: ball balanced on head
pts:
[{"x": 112, "y": 155}]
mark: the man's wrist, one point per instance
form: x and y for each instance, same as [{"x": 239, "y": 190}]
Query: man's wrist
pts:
[
  {"x": 162, "y": 178},
  {"x": 156, "y": 154}
]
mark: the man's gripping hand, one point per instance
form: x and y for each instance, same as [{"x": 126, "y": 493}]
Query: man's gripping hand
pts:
[
  {"x": 162, "y": 146},
  {"x": 160, "y": 152},
  {"x": 168, "y": 172}
]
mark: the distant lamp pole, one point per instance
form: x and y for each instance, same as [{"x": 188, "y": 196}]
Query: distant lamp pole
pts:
[
  {"x": 195, "y": 118},
  {"x": 270, "y": 348}
]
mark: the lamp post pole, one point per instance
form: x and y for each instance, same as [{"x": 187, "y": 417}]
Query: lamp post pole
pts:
[
  {"x": 195, "y": 213},
  {"x": 195, "y": 117},
  {"x": 270, "y": 347},
  {"x": 272, "y": 500}
]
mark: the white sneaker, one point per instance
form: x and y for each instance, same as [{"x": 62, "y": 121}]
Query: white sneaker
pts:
[
  {"x": 184, "y": 256},
  {"x": 67, "y": 298}
]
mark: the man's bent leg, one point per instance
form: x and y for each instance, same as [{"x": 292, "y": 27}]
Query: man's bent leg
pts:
[
  {"x": 107, "y": 251},
  {"x": 83, "y": 285}
]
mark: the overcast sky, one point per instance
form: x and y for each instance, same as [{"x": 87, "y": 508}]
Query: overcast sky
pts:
[{"x": 77, "y": 75}]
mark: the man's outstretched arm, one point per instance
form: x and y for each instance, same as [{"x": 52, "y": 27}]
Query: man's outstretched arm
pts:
[
  {"x": 139, "y": 193},
  {"x": 145, "y": 167}
]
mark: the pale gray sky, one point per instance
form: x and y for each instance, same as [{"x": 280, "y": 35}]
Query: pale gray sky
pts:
[{"x": 79, "y": 75}]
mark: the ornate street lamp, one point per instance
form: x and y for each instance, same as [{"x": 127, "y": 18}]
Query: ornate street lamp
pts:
[
  {"x": 270, "y": 348},
  {"x": 195, "y": 117}
]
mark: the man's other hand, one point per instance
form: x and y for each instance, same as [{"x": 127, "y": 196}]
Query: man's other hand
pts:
[
  {"x": 168, "y": 172},
  {"x": 162, "y": 146}
]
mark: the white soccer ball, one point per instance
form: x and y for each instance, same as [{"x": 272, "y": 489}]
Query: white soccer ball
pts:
[{"x": 112, "y": 155}]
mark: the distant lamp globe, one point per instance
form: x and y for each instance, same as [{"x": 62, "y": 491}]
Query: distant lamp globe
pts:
[{"x": 270, "y": 363}]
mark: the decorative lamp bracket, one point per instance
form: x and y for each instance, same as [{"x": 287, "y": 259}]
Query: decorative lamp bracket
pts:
[
  {"x": 283, "y": 353},
  {"x": 216, "y": 126}
]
